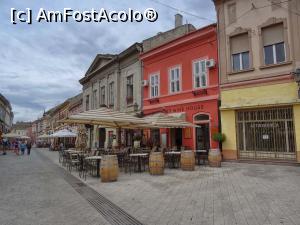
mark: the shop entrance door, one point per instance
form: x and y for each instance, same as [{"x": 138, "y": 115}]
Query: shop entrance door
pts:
[
  {"x": 266, "y": 134},
  {"x": 202, "y": 137},
  {"x": 101, "y": 137}
]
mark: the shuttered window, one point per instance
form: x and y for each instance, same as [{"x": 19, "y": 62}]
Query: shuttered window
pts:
[
  {"x": 239, "y": 45},
  {"x": 274, "y": 46}
]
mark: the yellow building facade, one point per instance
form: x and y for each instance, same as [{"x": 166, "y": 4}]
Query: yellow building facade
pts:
[
  {"x": 259, "y": 54},
  {"x": 274, "y": 96}
]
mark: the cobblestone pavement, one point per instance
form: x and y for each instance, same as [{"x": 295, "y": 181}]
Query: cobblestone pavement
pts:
[
  {"x": 32, "y": 192},
  {"x": 237, "y": 193}
]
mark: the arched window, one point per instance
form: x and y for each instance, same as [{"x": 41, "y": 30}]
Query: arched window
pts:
[{"x": 201, "y": 117}]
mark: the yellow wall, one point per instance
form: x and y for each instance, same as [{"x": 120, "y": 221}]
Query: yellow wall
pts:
[
  {"x": 297, "y": 129},
  {"x": 285, "y": 93},
  {"x": 229, "y": 129},
  {"x": 253, "y": 97}
]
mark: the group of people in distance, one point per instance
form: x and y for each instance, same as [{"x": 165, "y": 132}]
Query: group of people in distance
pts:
[{"x": 19, "y": 146}]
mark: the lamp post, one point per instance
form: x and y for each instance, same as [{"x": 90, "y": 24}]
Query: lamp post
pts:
[{"x": 297, "y": 79}]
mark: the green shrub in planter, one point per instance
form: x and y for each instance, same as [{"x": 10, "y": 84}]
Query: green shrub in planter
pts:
[{"x": 219, "y": 137}]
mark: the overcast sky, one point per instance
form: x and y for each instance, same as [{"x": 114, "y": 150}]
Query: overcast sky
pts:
[{"x": 40, "y": 64}]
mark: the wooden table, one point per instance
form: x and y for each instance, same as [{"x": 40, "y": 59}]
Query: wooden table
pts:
[
  {"x": 139, "y": 156},
  {"x": 173, "y": 156},
  {"x": 98, "y": 158}
]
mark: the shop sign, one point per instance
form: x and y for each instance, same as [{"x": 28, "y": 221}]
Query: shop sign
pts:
[{"x": 185, "y": 108}]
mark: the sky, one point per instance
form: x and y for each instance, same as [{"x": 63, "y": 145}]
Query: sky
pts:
[{"x": 41, "y": 63}]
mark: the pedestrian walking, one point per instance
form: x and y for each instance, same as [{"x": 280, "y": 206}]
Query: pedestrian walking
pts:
[
  {"x": 16, "y": 145},
  {"x": 22, "y": 147},
  {"x": 28, "y": 145},
  {"x": 5, "y": 145}
]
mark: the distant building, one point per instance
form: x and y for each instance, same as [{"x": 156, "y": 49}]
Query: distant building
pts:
[
  {"x": 22, "y": 128},
  {"x": 6, "y": 115}
]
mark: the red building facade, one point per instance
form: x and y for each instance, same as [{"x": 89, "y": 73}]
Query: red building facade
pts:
[{"x": 181, "y": 79}]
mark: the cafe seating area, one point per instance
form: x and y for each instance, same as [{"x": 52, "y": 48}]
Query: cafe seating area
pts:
[{"x": 129, "y": 160}]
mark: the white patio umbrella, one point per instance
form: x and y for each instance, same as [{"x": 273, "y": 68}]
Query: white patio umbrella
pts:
[
  {"x": 44, "y": 136},
  {"x": 24, "y": 137},
  {"x": 63, "y": 133},
  {"x": 11, "y": 135}
]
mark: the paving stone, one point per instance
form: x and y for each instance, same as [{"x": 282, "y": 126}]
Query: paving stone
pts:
[{"x": 236, "y": 193}]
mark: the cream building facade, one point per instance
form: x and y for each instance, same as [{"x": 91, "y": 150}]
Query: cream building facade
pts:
[
  {"x": 112, "y": 81},
  {"x": 259, "y": 52}
]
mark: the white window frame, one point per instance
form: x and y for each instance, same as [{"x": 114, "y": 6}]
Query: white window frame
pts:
[
  {"x": 111, "y": 93},
  {"x": 274, "y": 53},
  {"x": 179, "y": 79},
  {"x": 94, "y": 99},
  {"x": 200, "y": 73},
  {"x": 158, "y": 85},
  {"x": 241, "y": 61},
  {"x": 101, "y": 100}
]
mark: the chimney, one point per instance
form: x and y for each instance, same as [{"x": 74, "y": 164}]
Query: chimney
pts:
[{"x": 178, "y": 20}]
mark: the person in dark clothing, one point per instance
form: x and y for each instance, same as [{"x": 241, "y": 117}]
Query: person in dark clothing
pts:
[{"x": 28, "y": 145}]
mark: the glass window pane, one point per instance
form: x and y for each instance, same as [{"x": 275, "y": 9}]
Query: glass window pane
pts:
[
  {"x": 203, "y": 66},
  {"x": 203, "y": 80},
  {"x": 178, "y": 85},
  {"x": 197, "y": 81},
  {"x": 196, "y": 67},
  {"x": 236, "y": 62},
  {"x": 269, "y": 58},
  {"x": 280, "y": 54},
  {"x": 245, "y": 60}
]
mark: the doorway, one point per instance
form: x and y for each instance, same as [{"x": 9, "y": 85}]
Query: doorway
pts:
[
  {"x": 102, "y": 137},
  {"x": 176, "y": 137},
  {"x": 202, "y": 137}
]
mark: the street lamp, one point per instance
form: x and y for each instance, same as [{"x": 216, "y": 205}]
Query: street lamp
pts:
[{"x": 297, "y": 79}]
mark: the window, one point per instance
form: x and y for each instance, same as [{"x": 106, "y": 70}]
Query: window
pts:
[
  {"x": 174, "y": 76},
  {"x": 129, "y": 94},
  {"x": 94, "y": 99},
  {"x": 273, "y": 42},
  {"x": 102, "y": 95},
  {"x": 87, "y": 102},
  {"x": 154, "y": 85},
  {"x": 240, "y": 52},
  {"x": 111, "y": 94},
  {"x": 200, "y": 74}
]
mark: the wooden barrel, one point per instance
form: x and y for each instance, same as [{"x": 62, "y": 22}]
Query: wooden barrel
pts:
[
  {"x": 187, "y": 160},
  {"x": 109, "y": 168},
  {"x": 156, "y": 163},
  {"x": 214, "y": 158}
]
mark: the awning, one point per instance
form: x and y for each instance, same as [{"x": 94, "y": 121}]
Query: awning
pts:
[
  {"x": 162, "y": 120},
  {"x": 43, "y": 136},
  {"x": 11, "y": 135},
  {"x": 107, "y": 118},
  {"x": 63, "y": 133}
]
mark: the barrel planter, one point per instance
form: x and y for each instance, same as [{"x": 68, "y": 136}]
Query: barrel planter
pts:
[
  {"x": 214, "y": 158},
  {"x": 109, "y": 168},
  {"x": 156, "y": 163},
  {"x": 187, "y": 160}
]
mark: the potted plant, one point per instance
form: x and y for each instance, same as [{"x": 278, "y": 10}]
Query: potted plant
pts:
[
  {"x": 137, "y": 140},
  {"x": 219, "y": 137},
  {"x": 215, "y": 155}
]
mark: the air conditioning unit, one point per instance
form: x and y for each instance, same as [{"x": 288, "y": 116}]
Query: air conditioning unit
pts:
[
  {"x": 145, "y": 83},
  {"x": 210, "y": 63}
]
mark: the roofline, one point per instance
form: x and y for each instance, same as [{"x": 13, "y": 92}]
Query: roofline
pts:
[
  {"x": 121, "y": 55},
  {"x": 160, "y": 48}
]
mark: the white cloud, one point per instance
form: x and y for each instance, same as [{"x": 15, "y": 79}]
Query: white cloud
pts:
[{"x": 40, "y": 64}]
